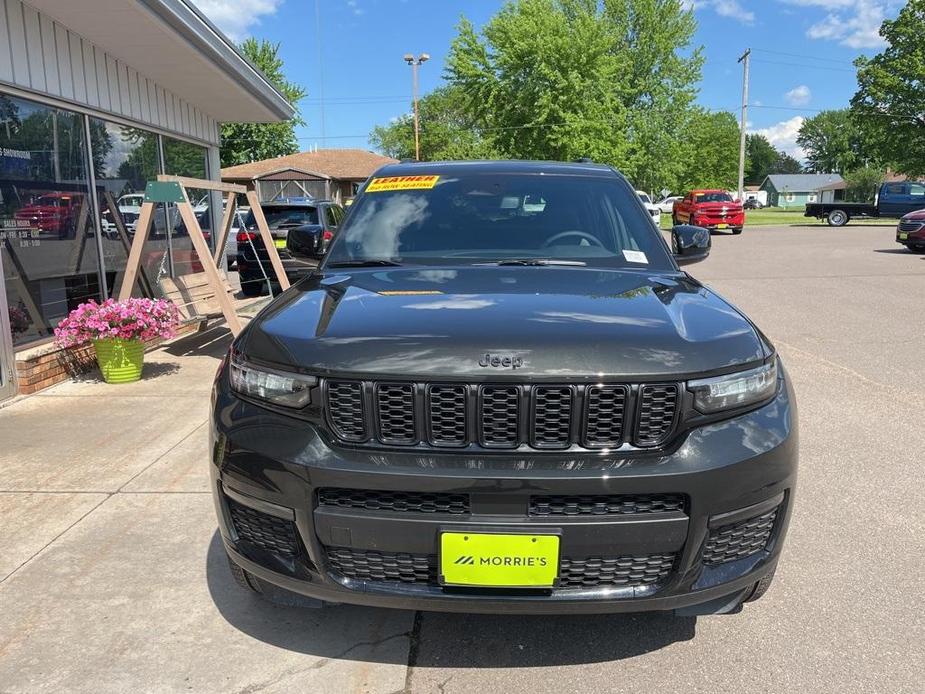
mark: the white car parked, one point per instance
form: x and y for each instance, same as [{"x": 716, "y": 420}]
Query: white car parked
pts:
[
  {"x": 651, "y": 208},
  {"x": 666, "y": 205}
]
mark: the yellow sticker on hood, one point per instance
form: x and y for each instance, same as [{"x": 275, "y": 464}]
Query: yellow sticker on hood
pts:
[{"x": 381, "y": 185}]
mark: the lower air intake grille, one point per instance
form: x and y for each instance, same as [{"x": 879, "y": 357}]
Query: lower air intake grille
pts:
[
  {"x": 267, "y": 532},
  {"x": 370, "y": 565},
  {"x": 638, "y": 570},
  {"x": 658, "y": 405},
  {"x": 592, "y": 572},
  {"x": 395, "y": 502},
  {"x": 604, "y": 505},
  {"x": 737, "y": 540}
]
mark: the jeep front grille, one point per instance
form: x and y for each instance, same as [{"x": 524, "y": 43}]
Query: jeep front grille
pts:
[{"x": 501, "y": 416}]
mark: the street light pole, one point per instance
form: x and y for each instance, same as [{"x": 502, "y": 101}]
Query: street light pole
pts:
[
  {"x": 415, "y": 63},
  {"x": 743, "y": 59}
]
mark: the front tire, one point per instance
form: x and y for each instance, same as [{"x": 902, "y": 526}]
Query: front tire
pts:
[
  {"x": 916, "y": 249},
  {"x": 737, "y": 230},
  {"x": 271, "y": 593},
  {"x": 837, "y": 218}
]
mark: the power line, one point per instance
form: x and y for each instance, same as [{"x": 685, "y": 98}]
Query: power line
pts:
[
  {"x": 803, "y": 55},
  {"x": 804, "y": 65}
]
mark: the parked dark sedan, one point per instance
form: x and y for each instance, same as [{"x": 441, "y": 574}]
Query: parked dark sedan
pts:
[{"x": 500, "y": 393}]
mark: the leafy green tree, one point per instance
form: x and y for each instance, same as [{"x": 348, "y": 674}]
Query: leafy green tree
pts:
[
  {"x": 863, "y": 183},
  {"x": 890, "y": 100},
  {"x": 712, "y": 156},
  {"x": 560, "y": 79},
  {"x": 786, "y": 164},
  {"x": 760, "y": 158},
  {"x": 447, "y": 131},
  {"x": 833, "y": 142},
  {"x": 244, "y": 142}
]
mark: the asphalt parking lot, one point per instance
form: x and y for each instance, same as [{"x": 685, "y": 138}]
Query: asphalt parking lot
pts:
[{"x": 112, "y": 577}]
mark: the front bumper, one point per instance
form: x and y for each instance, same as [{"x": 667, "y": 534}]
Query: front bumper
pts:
[
  {"x": 911, "y": 238},
  {"x": 730, "y": 474},
  {"x": 717, "y": 222}
]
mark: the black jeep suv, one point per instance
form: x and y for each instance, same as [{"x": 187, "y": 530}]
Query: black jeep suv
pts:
[{"x": 499, "y": 393}]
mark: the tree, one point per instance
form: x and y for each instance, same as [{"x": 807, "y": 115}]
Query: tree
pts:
[
  {"x": 833, "y": 142},
  {"x": 613, "y": 80},
  {"x": 863, "y": 183},
  {"x": 447, "y": 131},
  {"x": 244, "y": 142},
  {"x": 760, "y": 158},
  {"x": 890, "y": 101},
  {"x": 712, "y": 156},
  {"x": 786, "y": 164}
]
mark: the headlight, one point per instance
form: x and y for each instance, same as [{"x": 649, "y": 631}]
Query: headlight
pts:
[
  {"x": 285, "y": 389},
  {"x": 734, "y": 390}
]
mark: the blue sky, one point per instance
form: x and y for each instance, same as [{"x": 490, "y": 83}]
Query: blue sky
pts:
[{"x": 801, "y": 60}]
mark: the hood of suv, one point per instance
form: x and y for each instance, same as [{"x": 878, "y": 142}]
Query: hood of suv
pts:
[{"x": 544, "y": 322}]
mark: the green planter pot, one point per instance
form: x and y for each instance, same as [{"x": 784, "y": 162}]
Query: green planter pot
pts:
[{"x": 120, "y": 360}]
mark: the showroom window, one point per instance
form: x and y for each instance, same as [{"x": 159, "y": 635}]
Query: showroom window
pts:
[
  {"x": 47, "y": 235},
  {"x": 186, "y": 159},
  {"x": 124, "y": 160}
]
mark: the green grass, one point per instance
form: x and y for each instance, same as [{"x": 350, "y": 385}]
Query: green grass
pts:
[{"x": 778, "y": 216}]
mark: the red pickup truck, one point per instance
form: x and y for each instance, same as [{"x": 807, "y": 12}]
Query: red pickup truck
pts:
[
  {"x": 53, "y": 212},
  {"x": 712, "y": 209}
]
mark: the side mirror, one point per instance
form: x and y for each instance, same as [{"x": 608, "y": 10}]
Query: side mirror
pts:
[
  {"x": 306, "y": 242},
  {"x": 690, "y": 244}
]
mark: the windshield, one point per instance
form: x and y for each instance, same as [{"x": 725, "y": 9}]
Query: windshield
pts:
[
  {"x": 713, "y": 196},
  {"x": 645, "y": 198},
  {"x": 479, "y": 218},
  {"x": 284, "y": 217}
]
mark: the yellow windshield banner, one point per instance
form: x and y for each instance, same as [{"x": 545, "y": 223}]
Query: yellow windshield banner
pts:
[{"x": 381, "y": 185}]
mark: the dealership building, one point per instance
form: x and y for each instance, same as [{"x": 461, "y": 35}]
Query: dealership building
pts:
[{"x": 98, "y": 97}]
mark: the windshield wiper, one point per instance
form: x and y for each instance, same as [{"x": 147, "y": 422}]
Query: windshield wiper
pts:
[
  {"x": 535, "y": 261},
  {"x": 365, "y": 263}
]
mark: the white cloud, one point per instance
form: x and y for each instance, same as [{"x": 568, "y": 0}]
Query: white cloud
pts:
[
  {"x": 783, "y": 136},
  {"x": 724, "y": 8},
  {"x": 236, "y": 17},
  {"x": 852, "y": 23},
  {"x": 798, "y": 96},
  {"x": 354, "y": 8}
]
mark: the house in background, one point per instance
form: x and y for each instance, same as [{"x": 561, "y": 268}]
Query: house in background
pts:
[
  {"x": 755, "y": 193},
  {"x": 330, "y": 174},
  {"x": 795, "y": 190}
]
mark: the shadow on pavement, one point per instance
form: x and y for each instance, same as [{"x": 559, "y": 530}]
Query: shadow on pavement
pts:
[
  {"x": 211, "y": 342},
  {"x": 152, "y": 370},
  {"x": 316, "y": 632},
  {"x": 447, "y": 640},
  {"x": 498, "y": 641}
]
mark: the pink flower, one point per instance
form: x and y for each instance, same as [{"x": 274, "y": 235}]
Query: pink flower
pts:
[{"x": 132, "y": 319}]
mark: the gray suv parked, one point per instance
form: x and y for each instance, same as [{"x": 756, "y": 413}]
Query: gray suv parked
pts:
[{"x": 500, "y": 393}]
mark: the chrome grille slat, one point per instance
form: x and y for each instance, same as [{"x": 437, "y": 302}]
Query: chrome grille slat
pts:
[{"x": 502, "y": 416}]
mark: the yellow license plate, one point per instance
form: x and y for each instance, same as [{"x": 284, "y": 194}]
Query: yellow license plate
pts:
[
  {"x": 279, "y": 243},
  {"x": 497, "y": 560},
  {"x": 721, "y": 226},
  {"x": 903, "y": 237}
]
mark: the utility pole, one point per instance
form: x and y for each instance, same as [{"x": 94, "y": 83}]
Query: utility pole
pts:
[
  {"x": 744, "y": 61},
  {"x": 318, "y": 44},
  {"x": 415, "y": 63}
]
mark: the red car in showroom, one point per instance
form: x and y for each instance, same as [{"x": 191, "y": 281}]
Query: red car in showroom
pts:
[
  {"x": 910, "y": 231},
  {"x": 712, "y": 209},
  {"x": 53, "y": 212}
]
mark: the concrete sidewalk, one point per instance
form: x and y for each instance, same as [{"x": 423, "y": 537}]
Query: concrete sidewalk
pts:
[{"x": 112, "y": 575}]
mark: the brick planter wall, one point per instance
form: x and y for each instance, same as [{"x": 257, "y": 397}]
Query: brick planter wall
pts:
[{"x": 44, "y": 366}]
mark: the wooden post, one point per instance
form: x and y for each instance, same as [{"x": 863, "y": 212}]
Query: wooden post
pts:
[
  {"x": 267, "y": 237},
  {"x": 142, "y": 228},
  {"x": 227, "y": 222},
  {"x": 202, "y": 250}
]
